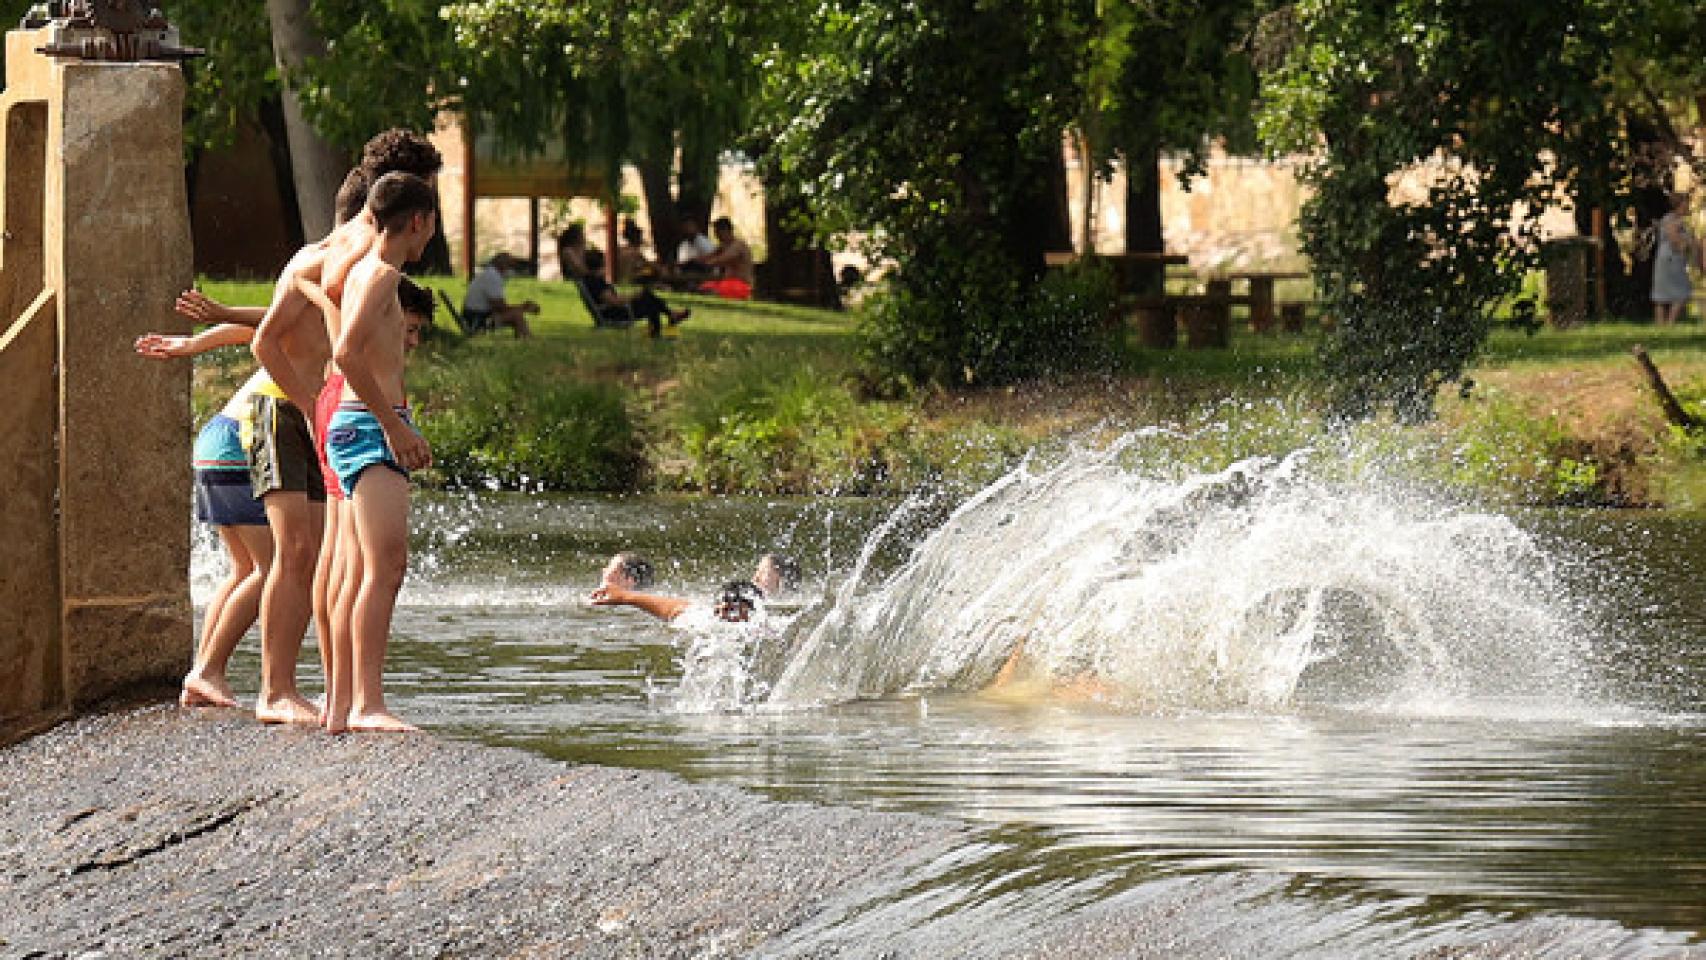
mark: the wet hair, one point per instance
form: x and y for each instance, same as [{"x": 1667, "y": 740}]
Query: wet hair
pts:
[
  {"x": 723, "y": 223},
  {"x": 352, "y": 195},
  {"x": 396, "y": 197},
  {"x": 415, "y": 299},
  {"x": 739, "y": 593},
  {"x": 594, "y": 261},
  {"x": 399, "y": 149},
  {"x": 787, "y": 566},
  {"x": 636, "y": 568}
]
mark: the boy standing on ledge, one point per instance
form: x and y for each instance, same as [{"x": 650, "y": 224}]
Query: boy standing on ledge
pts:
[{"x": 372, "y": 429}]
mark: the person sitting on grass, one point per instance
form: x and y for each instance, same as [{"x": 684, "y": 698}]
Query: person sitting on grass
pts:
[
  {"x": 571, "y": 252},
  {"x": 732, "y": 260},
  {"x": 485, "y": 307},
  {"x": 612, "y": 306}
]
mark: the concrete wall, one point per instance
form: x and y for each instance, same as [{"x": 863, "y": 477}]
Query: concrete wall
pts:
[{"x": 94, "y": 441}]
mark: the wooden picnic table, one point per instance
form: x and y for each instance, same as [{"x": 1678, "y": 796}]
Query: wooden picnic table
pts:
[
  {"x": 1131, "y": 270},
  {"x": 1261, "y": 296}
]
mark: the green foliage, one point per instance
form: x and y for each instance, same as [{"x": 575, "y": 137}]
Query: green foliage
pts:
[
  {"x": 1168, "y": 74},
  {"x": 497, "y": 418},
  {"x": 931, "y": 128},
  {"x": 751, "y": 425},
  {"x": 388, "y": 63},
  {"x": 1433, "y": 93},
  {"x": 613, "y": 80},
  {"x": 970, "y": 320}
]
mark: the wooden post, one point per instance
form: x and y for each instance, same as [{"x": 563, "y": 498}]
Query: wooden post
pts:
[
  {"x": 1261, "y": 304},
  {"x": 469, "y": 188},
  {"x": 612, "y": 236},
  {"x": 1599, "y": 261},
  {"x": 1675, "y": 413},
  {"x": 533, "y": 234}
]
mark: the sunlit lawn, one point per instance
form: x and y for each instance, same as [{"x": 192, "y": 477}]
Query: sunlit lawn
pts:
[{"x": 719, "y": 327}]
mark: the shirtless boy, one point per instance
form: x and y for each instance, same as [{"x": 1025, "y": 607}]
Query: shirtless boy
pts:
[
  {"x": 294, "y": 344},
  {"x": 371, "y": 442}
]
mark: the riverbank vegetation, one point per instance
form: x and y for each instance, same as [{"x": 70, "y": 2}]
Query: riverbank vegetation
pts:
[{"x": 763, "y": 398}]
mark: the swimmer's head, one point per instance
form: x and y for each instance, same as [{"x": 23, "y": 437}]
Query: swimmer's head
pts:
[
  {"x": 736, "y": 601},
  {"x": 628, "y": 570},
  {"x": 776, "y": 572}
]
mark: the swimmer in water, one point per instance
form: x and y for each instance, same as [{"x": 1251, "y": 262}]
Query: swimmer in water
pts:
[{"x": 735, "y": 601}]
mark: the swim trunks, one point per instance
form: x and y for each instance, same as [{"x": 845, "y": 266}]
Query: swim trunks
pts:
[
  {"x": 356, "y": 441},
  {"x": 281, "y": 450},
  {"x": 324, "y": 406},
  {"x": 223, "y": 496}
]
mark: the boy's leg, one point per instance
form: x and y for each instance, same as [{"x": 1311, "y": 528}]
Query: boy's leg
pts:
[
  {"x": 381, "y": 508},
  {"x": 287, "y": 605},
  {"x": 199, "y": 688},
  {"x": 235, "y": 618},
  {"x": 346, "y": 581},
  {"x": 324, "y": 570}
]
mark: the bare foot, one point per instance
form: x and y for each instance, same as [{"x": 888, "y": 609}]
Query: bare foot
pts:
[
  {"x": 202, "y": 692},
  {"x": 290, "y": 709},
  {"x": 380, "y": 722}
]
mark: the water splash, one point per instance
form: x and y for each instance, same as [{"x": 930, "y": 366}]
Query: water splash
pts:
[{"x": 1259, "y": 587}]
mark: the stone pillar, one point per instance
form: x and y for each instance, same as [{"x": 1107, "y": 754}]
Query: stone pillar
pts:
[{"x": 94, "y": 441}]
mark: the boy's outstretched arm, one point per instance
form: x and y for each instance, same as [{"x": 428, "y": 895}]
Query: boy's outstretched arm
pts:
[
  {"x": 161, "y": 346},
  {"x": 202, "y": 310}
]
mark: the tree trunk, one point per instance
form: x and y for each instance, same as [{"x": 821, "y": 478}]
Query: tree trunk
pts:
[
  {"x": 1143, "y": 215},
  {"x": 317, "y": 166},
  {"x": 700, "y": 167},
  {"x": 271, "y": 115},
  {"x": 660, "y": 206},
  {"x": 1057, "y": 206},
  {"x": 794, "y": 270}
]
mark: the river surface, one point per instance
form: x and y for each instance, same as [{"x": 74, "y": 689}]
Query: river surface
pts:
[{"x": 1434, "y": 822}]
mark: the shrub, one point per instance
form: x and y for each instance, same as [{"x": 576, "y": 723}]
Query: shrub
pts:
[
  {"x": 505, "y": 420},
  {"x": 969, "y": 320}
]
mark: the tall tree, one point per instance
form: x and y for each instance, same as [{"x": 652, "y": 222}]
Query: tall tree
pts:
[
  {"x": 1429, "y": 94},
  {"x": 1167, "y": 76},
  {"x": 933, "y": 128},
  {"x": 317, "y": 165},
  {"x": 663, "y": 85}
]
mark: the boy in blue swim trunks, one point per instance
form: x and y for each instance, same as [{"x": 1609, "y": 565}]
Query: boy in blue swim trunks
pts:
[{"x": 371, "y": 443}]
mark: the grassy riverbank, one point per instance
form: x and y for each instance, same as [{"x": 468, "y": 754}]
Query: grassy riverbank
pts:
[{"x": 765, "y": 398}]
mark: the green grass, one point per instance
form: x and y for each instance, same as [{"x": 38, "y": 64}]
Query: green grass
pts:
[{"x": 761, "y": 397}]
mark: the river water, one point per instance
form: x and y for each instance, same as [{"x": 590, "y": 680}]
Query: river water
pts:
[{"x": 1429, "y": 726}]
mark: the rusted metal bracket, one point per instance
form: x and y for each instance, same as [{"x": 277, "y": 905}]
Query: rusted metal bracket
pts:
[{"x": 114, "y": 30}]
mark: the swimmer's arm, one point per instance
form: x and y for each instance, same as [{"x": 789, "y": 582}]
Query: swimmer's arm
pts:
[
  {"x": 289, "y": 308},
  {"x": 662, "y": 607},
  {"x": 160, "y": 346}
]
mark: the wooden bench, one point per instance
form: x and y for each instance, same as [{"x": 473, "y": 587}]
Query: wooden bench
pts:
[{"x": 1206, "y": 319}]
